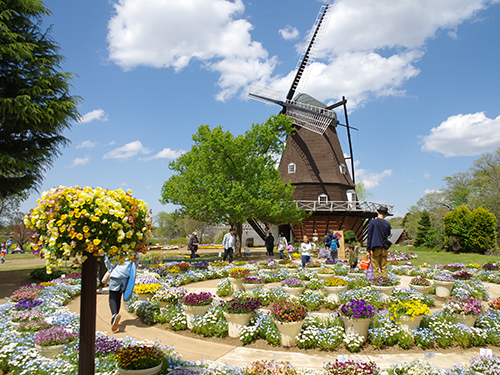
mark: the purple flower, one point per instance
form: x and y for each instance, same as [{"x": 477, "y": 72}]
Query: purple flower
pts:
[
  {"x": 241, "y": 305},
  {"x": 490, "y": 267},
  {"x": 27, "y": 304},
  {"x": 292, "y": 283},
  {"x": 55, "y": 336},
  {"x": 200, "y": 265},
  {"x": 358, "y": 309},
  {"x": 252, "y": 280},
  {"x": 198, "y": 299}
]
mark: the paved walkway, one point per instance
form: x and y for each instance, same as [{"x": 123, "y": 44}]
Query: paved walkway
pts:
[{"x": 193, "y": 349}]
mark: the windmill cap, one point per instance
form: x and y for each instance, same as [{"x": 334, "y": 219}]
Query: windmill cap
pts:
[{"x": 384, "y": 211}]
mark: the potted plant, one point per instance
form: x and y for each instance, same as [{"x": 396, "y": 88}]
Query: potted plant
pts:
[
  {"x": 238, "y": 313},
  {"x": 252, "y": 282},
  {"x": 444, "y": 283},
  {"x": 495, "y": 304},
  {"x": 196, "y": 304},
  {"x": 421, "y": 284},
  {"x": 408, "y": 313},
  {"x": 32, "y": 326},
  {"x": 28, "y": 304},
  {"x": 313, "y": 264},
  {"x": 289, "y": 318},
  {"x": 385, "y": 285},
  {"x": 334, "y": 286},
  {"x": 19, "y": 317},
  {"x": 293, "y": 286},
  {"x": 484, "y": 365},
  {"x": 325, "y": 273},
  {"x": 131, "y": 359},
  {"x": 52, "y": 340},
  {"x": 465, "y": 310},
  {"x": 145, "y": 291},
  {"x": 169, "y": 296},
  {"x": 357, "y": 315},
  {"x": 236, "y": 275},
  {"x": 351, "y": 367},
  {"x": 463, "y": 276},
  {"x": 329, "y": 263},
  {"x": 453, "y": 267}
]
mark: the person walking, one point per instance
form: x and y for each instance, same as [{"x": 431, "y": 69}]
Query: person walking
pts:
[
  {"x": 306, "y": 249},
  {"x": 9, "y": 244},
  {"x": 3, "y": 252},
  {"x": 270, "y": 243},
  {"x": 327, "y": 241},
  {"x": 378, "y": 229},
  {"x": 282, "y": 244},
  {"x": 193, "y": 245},
  {"x": 120, "y": 275},
  {"x": 228, "y": 243}
]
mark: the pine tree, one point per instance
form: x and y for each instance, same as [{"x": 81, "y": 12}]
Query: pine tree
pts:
[
  {"x": 35, "y": 103},
  {"x": 424, "y": 225}
]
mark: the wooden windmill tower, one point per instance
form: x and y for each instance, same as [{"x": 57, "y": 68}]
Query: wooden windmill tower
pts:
[{"x": 313, "y": 160}]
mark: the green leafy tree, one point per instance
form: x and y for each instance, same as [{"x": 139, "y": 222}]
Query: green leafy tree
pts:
[
  {"x": 35, "y": 103},
  {"x": 230, "y": 179},
  {"x": 9, "y": 207},
  {"x": 165, "y": 227},
  {"x": 424, "y": 226},
  {"x": 350, "y": 237},
  {"x": 470, "y": 231},
  {"x": 362, "y": 192}
]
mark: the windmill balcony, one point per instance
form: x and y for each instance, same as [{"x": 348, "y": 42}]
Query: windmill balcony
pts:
[{"x": 339, "y": 206}]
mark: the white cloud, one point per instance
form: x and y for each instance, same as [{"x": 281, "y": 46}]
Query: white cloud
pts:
[
  {"x": 426, "y": 175},
  {"x": 172, "y": 33},
  {"x": 372, "y": 179},
  {"x": 370, "y": 49},
  {"x": 166, "y": 153},
  {"x": 87, "y": 144},
  {"x": 289, "y": 32},
  {"x": 96, "y": 114},
  {"x": 80, "y": 161},
  {"x": 127, "y": 151},
  {"x": 464, "y": 135}
]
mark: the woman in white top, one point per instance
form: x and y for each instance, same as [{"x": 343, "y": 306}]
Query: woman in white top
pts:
[
  {"x": 306, "y": 251},
  {"x": 282, "y": 244}
]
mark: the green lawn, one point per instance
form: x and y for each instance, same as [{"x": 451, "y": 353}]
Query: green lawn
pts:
[{"x": 443, "y": 257}]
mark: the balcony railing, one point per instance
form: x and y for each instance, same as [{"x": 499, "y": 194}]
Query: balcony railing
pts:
[{"x": 331, "y": 206}]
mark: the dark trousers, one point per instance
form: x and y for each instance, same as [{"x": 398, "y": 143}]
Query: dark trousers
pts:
[
  {"x": 270, "y": 251},
  {"x": 115, "y": 301},
  {"x": 228, "y": 252}
]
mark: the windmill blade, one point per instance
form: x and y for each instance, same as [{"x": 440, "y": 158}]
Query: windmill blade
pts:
[
  {"x": 309, "y": 54},
  {"x": 310, "y": 117},
  {"x": 264, "y": 94}
]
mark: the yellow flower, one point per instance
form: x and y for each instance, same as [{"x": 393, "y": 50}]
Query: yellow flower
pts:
[
  {"x": 86, "y": 229},
  {"x": 96, "y": 241}
]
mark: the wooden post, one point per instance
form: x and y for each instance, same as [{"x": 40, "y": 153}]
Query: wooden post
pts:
[{"x": 88, "y": 317}]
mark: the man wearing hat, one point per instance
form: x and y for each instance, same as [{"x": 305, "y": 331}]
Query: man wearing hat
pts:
[
  {"x": 193, "y": 245},
  {"x": 378, "y": 229}
]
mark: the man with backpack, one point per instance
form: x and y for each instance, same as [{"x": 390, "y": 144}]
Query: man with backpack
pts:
[{"x": 379, "y": 230}]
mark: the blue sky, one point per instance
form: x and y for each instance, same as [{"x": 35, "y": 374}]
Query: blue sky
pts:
[{"x": 421, "y": 78}]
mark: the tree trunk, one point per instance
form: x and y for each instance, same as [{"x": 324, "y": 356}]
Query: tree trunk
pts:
[
  {"x": 88, "y": 316},
  {"x": 238, "y": 227}
]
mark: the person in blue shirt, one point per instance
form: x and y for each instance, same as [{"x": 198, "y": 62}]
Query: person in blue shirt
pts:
[
  {"x": 120, "y": 273},
  {"x": 331, "y": 244},
  {"x": 375, "y": 244}
]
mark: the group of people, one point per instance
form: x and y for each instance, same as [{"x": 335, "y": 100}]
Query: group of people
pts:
[{"x": 5, "y": 248}]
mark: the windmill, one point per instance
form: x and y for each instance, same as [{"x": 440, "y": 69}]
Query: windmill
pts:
[{"x": 313, "y": 160}]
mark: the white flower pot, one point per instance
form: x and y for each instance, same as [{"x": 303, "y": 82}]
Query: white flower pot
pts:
[
  {"x": 253, "y": 273},
  {"x": 468, "y": 320},
  {"x": 49, "y": 351},
  {"x": 191, "y": 311},
  {"x": 443, "y": 288},
  {"x": 143, "y": 297},
  {"x": 359, "y": 326},
  {"x": 294, "y": 291},
  {"x": 249, "y": 287},
  {"x": 236, "y": 284},
  {"x": 235, "y": 322},
  {"x": 147, "y": 371},
  {"x": 421, "y": 289},
  {"x": 386, "y": 291},
  {"x": 333, "y": 291},
  {"x": 324, "y": 276},
  {"x": 353, "y": 274},
  {"x": 164, "y": 304},
  {"x": 289, "y": 332},
  {"x": 408, "y": 324}
]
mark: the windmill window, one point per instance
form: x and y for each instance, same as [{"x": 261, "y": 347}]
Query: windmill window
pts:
[
  {"x": 292, "y": 168},
  {"x": 322, "y": 198},
  {"x": 343, "y": 169}
]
